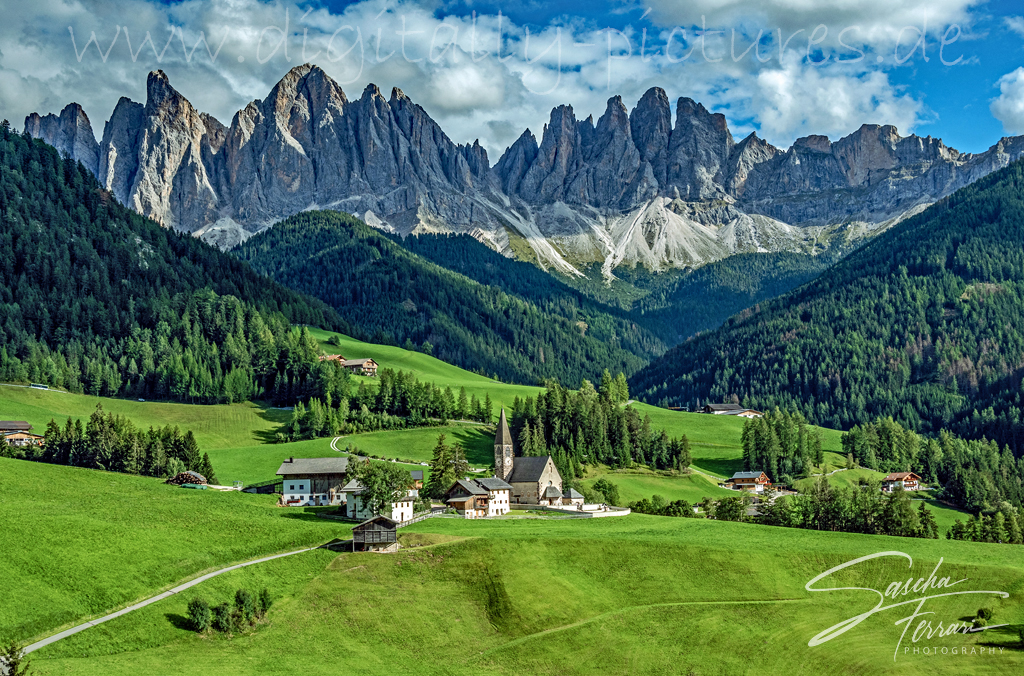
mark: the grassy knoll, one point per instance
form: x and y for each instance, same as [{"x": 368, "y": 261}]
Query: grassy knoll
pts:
[
  {"x": 80, "y": 542},
  {"x": 715, "y": 440},
  {"x": 418, "y": 443},
  {"x": 426, "y": 368},
  {"x": 215, "y": 426},
  {"x": 635, "y": 595},
  {"x": 638, "y": 484}
]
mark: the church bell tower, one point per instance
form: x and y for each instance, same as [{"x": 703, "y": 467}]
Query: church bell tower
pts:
[{"x": 503, "y": 454}]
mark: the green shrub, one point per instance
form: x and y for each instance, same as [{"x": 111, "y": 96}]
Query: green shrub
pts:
[
  {"x": 222, "y": 620},
  {"x": 985, "y": 614},
  {"x": 199, "y": 615},
  {"x": 245, "y": 607},
  {"x": 263, "y": 603}
]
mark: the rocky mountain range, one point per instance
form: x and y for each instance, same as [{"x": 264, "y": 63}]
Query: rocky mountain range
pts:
[{"x": 632, "y": 188}]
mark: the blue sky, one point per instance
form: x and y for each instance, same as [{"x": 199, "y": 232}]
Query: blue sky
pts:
[{"x": 782, "y": 96}]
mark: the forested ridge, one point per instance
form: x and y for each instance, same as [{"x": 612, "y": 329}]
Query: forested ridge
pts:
[
  {"x": 96, "y": 298},
  {"x": 400, "y": 298},
  {"x": 922, "y": 324}
]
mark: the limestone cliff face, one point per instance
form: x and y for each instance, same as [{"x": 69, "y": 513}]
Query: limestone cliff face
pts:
[
  {"x": 70, "y": 133},
  {"x": 632, "y": 188}
]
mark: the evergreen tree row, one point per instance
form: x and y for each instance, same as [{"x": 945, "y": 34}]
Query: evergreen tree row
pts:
[
  {"x": 781, "y": 445},
  {"x": 399, "y": 400},
  {"x": 591, "y": 426},
  {"x": 974, "y": 474},
  {"x": 111, "y": 442}
]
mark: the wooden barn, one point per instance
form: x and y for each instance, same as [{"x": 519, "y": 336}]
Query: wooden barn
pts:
[{"x": 378, "y": 534}]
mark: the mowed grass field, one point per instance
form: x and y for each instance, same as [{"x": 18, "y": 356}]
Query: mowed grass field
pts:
[
  {"x": 215, "y": 426},
  {"x": 638, "y": 484},
  {"x": 633, "y": 595},
  {"x": 426, "y": 368},
  {"x": 79, "y": 542}
]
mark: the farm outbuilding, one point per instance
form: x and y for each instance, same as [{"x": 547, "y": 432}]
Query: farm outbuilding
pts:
[{"x": 378, "y": 534}]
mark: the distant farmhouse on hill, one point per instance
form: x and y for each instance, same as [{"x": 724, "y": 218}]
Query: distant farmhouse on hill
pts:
[
  {"x": 755, "y": 482},
  {"x": 732, "y": 409},
  {"x": 17, "y": 433}
]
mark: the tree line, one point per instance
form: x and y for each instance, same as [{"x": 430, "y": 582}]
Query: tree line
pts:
[
  {"x": 591, "y": 426},
  {"x": 976, "y": 475},
  {"x": 782, "y": 445},
  {"x": 399, "y": 400},
  {"x": 113, "y": 443}
]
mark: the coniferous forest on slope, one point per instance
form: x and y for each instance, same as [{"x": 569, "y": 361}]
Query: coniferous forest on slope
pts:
[
  {"x": 398, "y": 297},
  {"x": 922, "y": 324},
  {"x": 99, "y": 299}
]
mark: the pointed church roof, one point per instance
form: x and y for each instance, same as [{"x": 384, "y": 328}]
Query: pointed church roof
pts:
[{"x": 503, "y": 437}]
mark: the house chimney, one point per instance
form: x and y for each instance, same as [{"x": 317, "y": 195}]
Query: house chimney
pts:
[{"x": 291, "y": 459}]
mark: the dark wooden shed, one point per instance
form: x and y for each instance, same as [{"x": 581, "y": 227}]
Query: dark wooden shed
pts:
[{"x": 377, "y": 534}]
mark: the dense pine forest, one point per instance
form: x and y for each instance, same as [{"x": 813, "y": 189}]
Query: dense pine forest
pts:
[
  {"x": 400, "y": 298},
  {"x": 672, "y": 305},
  {"x": 921, "y": 325},
  {"x": 589, "y": 426},
  {"x": 96, "y": 298}
]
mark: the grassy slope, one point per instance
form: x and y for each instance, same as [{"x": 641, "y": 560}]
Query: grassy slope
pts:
[
  {"x": 79, "y": 542},
  {"x": 216, "y": 426},
  {"x": 635, "y": 595},
  {"x": 236, "y": 435},
  {"x": 637, "y": 484},
  {"x": 427, "y": 368}
]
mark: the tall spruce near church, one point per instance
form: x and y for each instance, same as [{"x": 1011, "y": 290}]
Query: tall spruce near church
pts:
[{"x": 534, "y": 480}]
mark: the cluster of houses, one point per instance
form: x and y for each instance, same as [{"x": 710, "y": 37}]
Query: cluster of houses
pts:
[
  {"x": 17, "y": 433},
  {"x": 314, "y": 482},
  {"x": 359, "y": 367}
]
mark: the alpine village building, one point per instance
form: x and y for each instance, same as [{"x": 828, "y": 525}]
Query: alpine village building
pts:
[
  {"x": 755, "y": 482},
  {"x": 517, "y": 480},
  {"x": 907, "y": 480}
]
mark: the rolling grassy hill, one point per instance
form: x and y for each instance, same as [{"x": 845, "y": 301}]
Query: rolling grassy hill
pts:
[
  {"x": 635, "y": 595},
  {"x": 79, "y": 542},
  {"x": 236, "y": 436}
]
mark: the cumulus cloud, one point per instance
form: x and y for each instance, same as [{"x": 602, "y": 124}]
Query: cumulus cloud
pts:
[
  {"x": 1008, "y": 107},
  {"x": 1015, "y": 24},
  {"x": 480, "y": 77}
]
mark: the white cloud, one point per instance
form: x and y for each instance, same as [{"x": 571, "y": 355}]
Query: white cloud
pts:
[
  {"x": 1008, "y": 107},
  {"x": 468, "y": 90},
  {"x": 1015, "y": 24},
  {"x": 799, "y": 99}
]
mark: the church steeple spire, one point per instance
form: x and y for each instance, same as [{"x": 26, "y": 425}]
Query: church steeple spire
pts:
[{"x": 503, "y": 454}]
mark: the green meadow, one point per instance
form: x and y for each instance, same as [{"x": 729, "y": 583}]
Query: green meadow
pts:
[
  {"x": 79, "y": 543},
  {"x": 632, "y": 595},
  {"x": 638, "y": 484},
  {"x": 426, "y": 368}
]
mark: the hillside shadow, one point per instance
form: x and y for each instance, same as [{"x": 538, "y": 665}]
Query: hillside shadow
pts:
[
  {"x": 1011, "y": 635},
  {"x": 179, "y": 621},
  {"x": 306, "y": 513},
  {"x": 478, "y": 443},
  {"x": 280, "y": 417},
  {"x": 718, "y": 466}
]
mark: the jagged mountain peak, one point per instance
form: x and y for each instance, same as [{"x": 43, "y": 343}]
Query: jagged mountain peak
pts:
[{"x": 649, "y": 185}]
